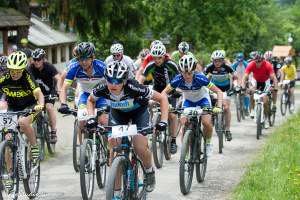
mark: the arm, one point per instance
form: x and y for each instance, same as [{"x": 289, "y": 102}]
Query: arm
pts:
[
  {"x": 281, "y": 75},
  {"x": 39, "y": 96},
  {"x": 295, "y": 71},
  {"x": 141, "y": 79},
  {"x": 63, "y": 93},
  {"x": 167, "y": 90},
  {"x": 57, "y": 77},
  {"x": 91, "y": 104},
  {"x": 60, "y": 83},
  {"x": 219, "y": 92},
  {"x": 245, "y": 79},
  {"x": 274, "y": 79},
  {"x": 162, "y": 99}
]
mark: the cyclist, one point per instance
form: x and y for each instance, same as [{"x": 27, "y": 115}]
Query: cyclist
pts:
[
  {"x": 129, "y": 101},
  {"x": 183, "y": 49},
  {"x": 289, "y": 72},
  {"x": 221, "y": 75},
  {"x": 46, "y": 75},
  {"x": 161, "y": 71},
  {"x": 262, "y": 73},
  {"x": 193, "y": 84},
  {"x": 138, "y": 63},
  {"x": 22, "y": 92},
  {"x": 24, "y": 48},
  {"x": 268, "y": 56},
  {"x": 117, "y": 53},
  {"x": 251, "y": 56},
  {"x": 239, "y": 66},
  {"x": 88, "y": 72}
]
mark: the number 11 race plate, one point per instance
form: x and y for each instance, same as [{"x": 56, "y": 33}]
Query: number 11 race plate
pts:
[{"x": 123, "y": 131}]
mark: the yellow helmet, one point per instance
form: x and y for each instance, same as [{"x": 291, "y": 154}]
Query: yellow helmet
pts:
[
  {"x": 24, "y": 41},
  {"x": 17, "y": 60}
]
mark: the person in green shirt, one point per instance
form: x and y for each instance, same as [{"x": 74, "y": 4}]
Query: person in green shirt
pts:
[{"x": 183, "y": 49}]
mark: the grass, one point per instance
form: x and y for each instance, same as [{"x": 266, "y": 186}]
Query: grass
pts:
[{"x": 275, "y": 174}]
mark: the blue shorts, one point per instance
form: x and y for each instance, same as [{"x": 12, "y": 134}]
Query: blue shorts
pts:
[
  {"x": 203, "y": 103},
  {"x": 82, "y": 101}
]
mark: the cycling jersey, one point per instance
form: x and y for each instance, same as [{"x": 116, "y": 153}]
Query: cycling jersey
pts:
[
  {"x": 86, "y": 82},
  {"x": 176, "y": 56},
  {"x": 161, "y": 75},
  {"x": 133, "y": 96},
  {"x": 290, "y": 72},
  {"x": 195, "y": 91},
  {"x": 73, "y": 60},
  {"x": 149, "y": 58},
  {"x": 262, "y": 73},
  {"x": 220, "y": 76},
  {"x": 45, "y": 77},
  {"x": 127, "y": 60},
  {"x": 19, "y": 93}
]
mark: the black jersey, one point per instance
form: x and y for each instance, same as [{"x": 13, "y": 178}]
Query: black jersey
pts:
[
  {"x": 133, "y": 96},
  {"x": 45, "y": 77},
  {"x": 19, "y": 93}
]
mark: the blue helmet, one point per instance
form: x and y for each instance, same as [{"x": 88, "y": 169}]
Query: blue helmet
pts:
[{"x": 239, "y": 57}]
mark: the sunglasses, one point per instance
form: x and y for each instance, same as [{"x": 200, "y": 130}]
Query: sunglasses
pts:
[
  {"x": 37, "y": 59},
  {"x": 114, "y": 81},
  {"x": 83, "y": 58},
  {"x": 117, "y": 55},
  {"x": 218, "y": 60}
]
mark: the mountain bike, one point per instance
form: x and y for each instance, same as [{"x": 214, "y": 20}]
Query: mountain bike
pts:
[
  {"x": 43, "y": 132},
  {"x": 93, "y": 159},
  {"x": 127, "y": 170},
  {"x": 193, "y": 151},
  {"x": 239, "y": 101},
  {"x": 286, "y": 101},
  {"x": 15, "y": 159}
]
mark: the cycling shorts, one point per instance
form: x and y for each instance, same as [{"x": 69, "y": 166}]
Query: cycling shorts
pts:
[
  {"x": 82, "y": 101},
  {"x": 203, "y": 103}
]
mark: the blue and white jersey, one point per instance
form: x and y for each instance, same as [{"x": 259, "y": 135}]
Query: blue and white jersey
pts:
[
  {"x": 194, "y": 91},
  {"x": 86, "y": 83}
]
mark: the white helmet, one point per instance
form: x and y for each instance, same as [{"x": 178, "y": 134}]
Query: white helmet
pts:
[
  {"x": 155, "y": 42},
  {"x": 268, "y": 55},
  {"x": 183, "y": 47},
  {"x": 187, "y": 63},
  {"x": 218, "y": 54},
  {"x": 288, "y": 60},
  {"x": 116, "y": 48},
  {"x": 158, "y": 50},
  {"x": 116, "y": 70}
]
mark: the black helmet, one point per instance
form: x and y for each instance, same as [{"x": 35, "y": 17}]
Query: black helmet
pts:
[
  {"x": 85, "y": 49},
  {"x": 38, "y": 53}
]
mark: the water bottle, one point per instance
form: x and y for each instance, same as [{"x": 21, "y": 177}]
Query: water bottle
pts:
[{"x": 130, "y": 179}]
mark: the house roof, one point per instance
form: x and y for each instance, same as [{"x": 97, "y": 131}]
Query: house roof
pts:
[
  {"x": 283, "y": 51},
  {"x": 41, "y": 34},
  {"x": 10, "y": 17}
]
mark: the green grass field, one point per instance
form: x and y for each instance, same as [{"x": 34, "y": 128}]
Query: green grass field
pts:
[{"x": 275, "y": 174}]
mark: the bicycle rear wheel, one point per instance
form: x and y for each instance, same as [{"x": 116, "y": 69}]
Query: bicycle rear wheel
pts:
[
  {"x": 9, "y": 178},
  {"x": 186, "y": 165},
  {"x": 157, "y": 144},
  {"x": 238, "y": 108},
  {"x": 258, "y": 121},
  {"x": 32, "y": 181},
  {"x": 117, "y": 178},
  {"x": 283, "y": 103},
  {"x": 87, "y": 174},
  {"x": 291, "y": 103},
  {"x": 201, "y": 165},
  {"x": 101, "y": 164},
  {"x": 75, "y": 147},
  {"x": 50, "y": 146},
  {"x": 272, "y": 114},
  {"x": 167, "y": 145},
  {"x": 219, "y": 129}
]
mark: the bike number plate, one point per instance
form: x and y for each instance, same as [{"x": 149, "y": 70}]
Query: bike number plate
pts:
[
  {"x": 9, "y": 121},
  {"x": 285, "y": 82},
  {"x": 82, "y": 114},
  {"x": 123, "y": 131}
]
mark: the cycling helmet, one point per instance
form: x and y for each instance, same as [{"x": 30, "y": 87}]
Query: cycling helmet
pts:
[
  {"x": 239, "y": 57},
  {"x": 158, "y": 50},
  {"x": 116, "y": 70},
  {"x": 252, "y": 54},
  {"x": 143, "y": 53},
  {"x": 155, "y": 42},
  {"x": 85, "y": 49},
  {"x": 268, "y": 55},
  {"x": 3, "y": 61},
  {"x": 259, "y": 56},
  {"x": 38, "y": 53},
  {"x": 17, "y": 60},
  {"x": 187, "y": 63},
  {"x": 218, "y": 54},
  {"x": 183, "y": 47},
  {"x": 75, "y": 52},
  {"x": 288, "y": 60},
  {"x": 116, "y": 48}
]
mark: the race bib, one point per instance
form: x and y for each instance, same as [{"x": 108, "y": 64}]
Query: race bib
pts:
[
  {"x": 82, "y": 114},
  {"x": 123, "y": 131},
  {"x": 8, "y": 121}
]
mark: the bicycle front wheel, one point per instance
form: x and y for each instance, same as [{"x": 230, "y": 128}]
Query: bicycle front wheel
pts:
[
  {"x": 8, "y": 172},
  {"x": 283, "y": 104},
  {"x": 238, "y": 108},
  {"x": 117, "y": 179},
  {"x": 220, "y": 129},
  {"x": 50, "y": 146},
  {"x": 75, "y": 147},
  {"x": 186, "y": 165},
  {"x": 87, "y": 173},
  {"x": 202, "y": 159},
  {"x": 101, "y": 164},
  {"x": 258, "y": 120}
]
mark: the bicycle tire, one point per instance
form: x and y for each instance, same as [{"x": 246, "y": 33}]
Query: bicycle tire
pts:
[
  {"x": 202, "y": 159},
  {"x": 101, "y": 165},
  {"x": 283, "y": 104},
  {"x": 50, "y": 146},
  {"x": 32, "y": 182},
  {"x": 40, "y": 137},
  {"x": 157, "y": 146},
  {"x": 86, "y": 192},
  {"x": 122, "y": 163},
  {"x": 243, "y": 109},
  {"x": 258, "y": 121},
  {"x": 167, "y": 145},
  {"x": 186, "y": 149},
  {"x": 15, "y": 191},
  {"x": 75, "y": 146},
  {"x": 238, "y": 107},
  {"x": 219, "y": 129},
  {"x": 271, "y": 115},
  {"x": 291, "y": 101}
]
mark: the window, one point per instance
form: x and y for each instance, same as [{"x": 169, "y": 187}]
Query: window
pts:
[
  {"x": 63, "y": 53},
  {"x": 70, "y": 51},
  {"x": 54, "y": 55}
]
